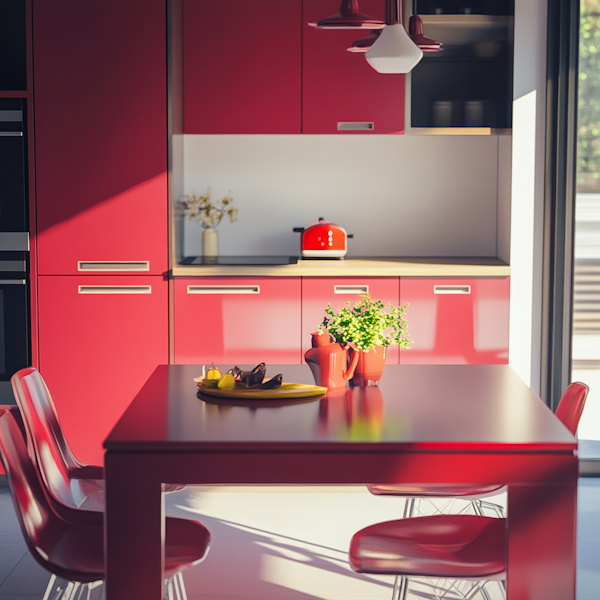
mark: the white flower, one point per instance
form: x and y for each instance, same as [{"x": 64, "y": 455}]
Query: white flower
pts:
[{"x": 201, "y": 209}]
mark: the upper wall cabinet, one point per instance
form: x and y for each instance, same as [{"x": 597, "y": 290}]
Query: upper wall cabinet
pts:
[
  {"x": 101, "y": 135},
  {"x": 469, "y": 84},
  {"x": 242, "y": 66},
  {"x": 13, "y": 64},
  {"x": 341, "y": 92},
  {"x": 258, "y": 67}
]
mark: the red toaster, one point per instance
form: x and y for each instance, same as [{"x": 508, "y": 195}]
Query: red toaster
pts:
[{"x": 323, "y": 239}]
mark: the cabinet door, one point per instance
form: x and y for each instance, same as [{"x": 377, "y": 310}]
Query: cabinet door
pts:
[
  {"x": 101, "y": 135},
  {"x": 340, "y": 88},
  {"x": 456, "y": 321},
  {"x": 100, "y": 338},
  {"x": 242, "y": 66},
  {"x": 237, "y": 320},
  {"x": 318, "y": 291}
]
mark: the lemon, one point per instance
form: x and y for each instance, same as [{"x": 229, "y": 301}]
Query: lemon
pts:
[
  {"x": 209, "y": 383},
  {"x": 227, "y": 382},
  {"x": 213, "y": 373}
]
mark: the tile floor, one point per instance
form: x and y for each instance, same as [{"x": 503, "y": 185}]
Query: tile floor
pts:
[{"x": 285, "y": 543}]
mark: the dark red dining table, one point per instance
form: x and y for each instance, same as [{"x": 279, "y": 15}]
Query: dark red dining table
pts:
[{"x": 442, "y": 424}]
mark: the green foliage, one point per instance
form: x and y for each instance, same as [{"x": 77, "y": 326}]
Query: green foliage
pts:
[
  {"x": 588, "y": 135},
  {"x": 367, "y": 324}
]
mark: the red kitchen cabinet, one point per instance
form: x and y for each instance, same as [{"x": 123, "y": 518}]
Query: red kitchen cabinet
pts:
[
  {"x": 100, "y": 99},
  {"x": 341, "y": 92},
  {"x": 456, "y": 321},
  {"x": 100, "y": 338},
  {"x": 318, "y": 291},
  {"x": 242, "y": 66},
  {"x": 237, "y": 320}
]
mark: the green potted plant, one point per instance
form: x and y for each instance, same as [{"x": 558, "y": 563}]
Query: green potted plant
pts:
[{"x": 368, "y": 329}]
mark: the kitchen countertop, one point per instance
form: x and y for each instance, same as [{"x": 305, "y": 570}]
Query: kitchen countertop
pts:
[{"x": 358, "y": 267}]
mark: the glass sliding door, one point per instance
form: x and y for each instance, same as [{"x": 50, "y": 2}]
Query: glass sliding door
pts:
[{"x": 586, "y": 300}]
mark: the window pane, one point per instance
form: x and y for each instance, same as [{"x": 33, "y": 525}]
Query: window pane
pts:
[{"x": 586, "y": 314}]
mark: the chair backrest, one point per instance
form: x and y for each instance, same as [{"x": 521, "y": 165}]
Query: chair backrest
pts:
[
  {"x": 51, "y": 540},
  {"x": 571, "y": 405},
  {"x": 45, "y": 440}
]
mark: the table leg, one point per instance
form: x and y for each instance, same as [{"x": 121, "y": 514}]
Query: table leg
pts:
[
  {"x": 133, "y": 531},
  {"x": 542, "y": 522}
]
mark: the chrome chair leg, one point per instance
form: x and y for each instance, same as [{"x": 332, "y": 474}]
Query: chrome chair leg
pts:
[
  {"x": 168, "y": 593},
  {"x": 396, "y": 587},
  {"x": 409, "y": 508},
  {"x": 181, "y": 585},
  {"x": 49, "y": 587}
]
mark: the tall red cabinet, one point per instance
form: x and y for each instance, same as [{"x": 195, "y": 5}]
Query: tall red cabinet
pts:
[{"x": 100, "y": 100}]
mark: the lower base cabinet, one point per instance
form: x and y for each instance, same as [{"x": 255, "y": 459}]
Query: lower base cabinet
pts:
[
  {"x": 317, "y": 292},
  {"x": 100, "y": 338},
  {"x": 237, "y": 320},
  {"x": 454, "y": 321}
]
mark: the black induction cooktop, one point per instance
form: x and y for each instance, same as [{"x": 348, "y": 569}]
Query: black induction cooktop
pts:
[{"x": 235, "y": 261}]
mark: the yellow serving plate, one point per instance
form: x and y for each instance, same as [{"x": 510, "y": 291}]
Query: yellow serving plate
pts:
[{"x": 286, "y": 391}]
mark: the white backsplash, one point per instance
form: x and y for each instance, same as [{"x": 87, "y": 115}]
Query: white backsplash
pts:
[{"x": 400, "y": 195}]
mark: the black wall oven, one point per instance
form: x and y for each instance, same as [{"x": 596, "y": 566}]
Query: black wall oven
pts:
[{"x": 15, "y": 333}]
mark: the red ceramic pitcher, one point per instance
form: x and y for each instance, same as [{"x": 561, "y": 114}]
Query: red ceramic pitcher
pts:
[{"x": 328, "y": 361}]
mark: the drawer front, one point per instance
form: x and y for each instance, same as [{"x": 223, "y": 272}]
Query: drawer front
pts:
[
  {"x": 456, "y": 321},
  {"x": 237, "y": 320},
  {"x": 100, "y": 338},
  {"x": 318, "y": 291}
]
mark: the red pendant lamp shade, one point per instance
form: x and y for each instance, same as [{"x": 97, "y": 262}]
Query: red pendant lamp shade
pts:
[
  {"x": 415, "y": 31},
  {"x": 365, "y": 43},
  {"x": 348, "y": 17}
]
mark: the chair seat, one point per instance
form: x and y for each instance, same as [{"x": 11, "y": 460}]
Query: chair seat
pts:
[
  {"x": 77, "y": 552},
  {"x": 461, "y": 546},
  {"x": 433, "y": 490}
]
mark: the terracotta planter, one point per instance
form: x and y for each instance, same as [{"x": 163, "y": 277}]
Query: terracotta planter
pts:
[{"x": 369, "y": 367}]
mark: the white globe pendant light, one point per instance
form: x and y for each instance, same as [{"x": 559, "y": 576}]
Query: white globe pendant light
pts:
[{"x": 393, "y": 51}]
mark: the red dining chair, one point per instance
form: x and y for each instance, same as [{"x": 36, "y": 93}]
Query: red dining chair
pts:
[
  {"x": 73, "y": 549},
  {"x": 69, "y": 481},
  {"x": 462, "y": 547},
  {"x": 569, "y": 411},
  {"x": 571, "y": 405}
]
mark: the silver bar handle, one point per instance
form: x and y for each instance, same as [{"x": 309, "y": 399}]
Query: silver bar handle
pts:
[
  {"x": 12, "y": 282},
  {"x": 8, "y": 116},
  {"x": 223, "y": 289},
  {"x": 350, "y": 289},
  {"x": 11, "y": 134},
  {"x": 114, "y": 289},
  {"x": 451, "y": 289},
  {"x": 355, "y": 126},
  {"x": 113, "y": 265}
]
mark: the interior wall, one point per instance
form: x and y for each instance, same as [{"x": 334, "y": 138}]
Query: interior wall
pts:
[
  {"x": 527, "y": 209},
  {"x": 504, "y": 196},
  {"x": 399, "y": 195}
]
